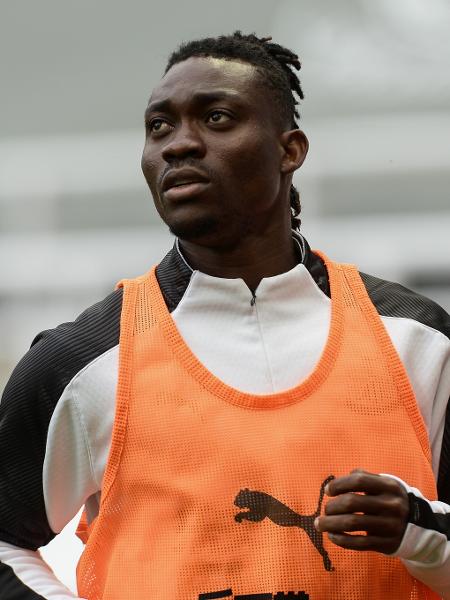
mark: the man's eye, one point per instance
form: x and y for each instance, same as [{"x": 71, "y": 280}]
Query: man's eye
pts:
[
  {"x": 218, "y": 116},
  {"x": 158, "y": 126}
]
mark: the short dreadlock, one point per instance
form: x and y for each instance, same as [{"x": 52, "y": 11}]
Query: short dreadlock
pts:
[{"x": 273, "y": 62}]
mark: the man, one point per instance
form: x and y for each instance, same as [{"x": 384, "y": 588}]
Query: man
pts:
[{"x": 202, "y": 412}]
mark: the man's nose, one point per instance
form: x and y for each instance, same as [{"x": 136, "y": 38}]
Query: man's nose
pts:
[{"x": 184, "y": 141}]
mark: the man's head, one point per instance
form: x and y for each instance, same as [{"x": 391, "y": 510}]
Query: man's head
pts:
[
  {"x": 273, "y": 63},
  {"x": 222, "y": 141}
]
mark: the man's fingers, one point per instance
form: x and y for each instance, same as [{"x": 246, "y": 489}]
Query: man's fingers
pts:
[
  {"x": 363, "y": 502},
  {"x": 381, "y": 504},
  {"x": 347, "y": 523},
  {"x": 363, "y": 482},
  {"x": 364, "y": 542},
  {"x": 353, "y": 503}
]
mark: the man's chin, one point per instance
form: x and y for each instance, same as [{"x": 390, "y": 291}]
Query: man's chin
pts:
[{"x": 195, "y": 230}]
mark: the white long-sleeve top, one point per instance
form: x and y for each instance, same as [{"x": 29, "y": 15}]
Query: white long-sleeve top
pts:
[{"x": 57, "y": 413}]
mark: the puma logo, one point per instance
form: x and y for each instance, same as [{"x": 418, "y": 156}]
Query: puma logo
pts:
[{"x": 262, "y": 505}]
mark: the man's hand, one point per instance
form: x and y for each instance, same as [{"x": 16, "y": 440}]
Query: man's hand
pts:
[{"x": 374, "y": 505}]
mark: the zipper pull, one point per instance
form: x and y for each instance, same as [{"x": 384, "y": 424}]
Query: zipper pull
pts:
[{"x": 253, "y": 300}]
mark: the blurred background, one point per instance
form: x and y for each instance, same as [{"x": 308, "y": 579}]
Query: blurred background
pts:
[{"x": 75, "y": 213}]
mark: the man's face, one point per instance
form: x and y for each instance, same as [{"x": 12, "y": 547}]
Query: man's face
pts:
[{"x": 212, "y": 153}]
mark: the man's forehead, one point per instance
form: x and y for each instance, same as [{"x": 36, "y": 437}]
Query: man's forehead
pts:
[{"x": 202, "y": 74}]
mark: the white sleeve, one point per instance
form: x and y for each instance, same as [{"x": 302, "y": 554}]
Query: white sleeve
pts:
[
  {"x": 25, "y": 575},
  {"x": 425, "y": 353},
  {"x": 68, "y": 479},
  {"x": 425, "y": 548},
  {"x": 77, "y": 446}
]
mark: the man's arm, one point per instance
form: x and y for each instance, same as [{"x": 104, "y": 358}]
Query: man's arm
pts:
[
  {"x": 400, "y": 522},
  {"x": 397, "y": 520},
  {"x": 425, "y": 548},
  {"x": 25, "y": 413},
  {"x": 46, "y": 467},
  {"x": 24, "y": 575}
]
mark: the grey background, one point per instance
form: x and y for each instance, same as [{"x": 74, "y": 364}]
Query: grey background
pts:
[{"x": 75, "y": 214}]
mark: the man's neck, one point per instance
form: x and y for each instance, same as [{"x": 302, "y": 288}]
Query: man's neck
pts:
[{"x": 251, "y": 260}]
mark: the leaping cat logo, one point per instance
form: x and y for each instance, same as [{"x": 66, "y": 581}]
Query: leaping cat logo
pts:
[{"x": 262, "y": 505}]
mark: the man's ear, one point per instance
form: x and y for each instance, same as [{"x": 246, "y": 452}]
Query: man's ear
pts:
[{"x": 295, "y": 146}]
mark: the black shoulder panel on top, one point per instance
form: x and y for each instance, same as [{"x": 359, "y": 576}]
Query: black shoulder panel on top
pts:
[
  {"x": 11, "y": 588},
  {"x": 28, "y": 402},
  {"x": 317, "y": 269},
  {"x": 395, "y": 300},
  {"x": 173, "y": 276}
]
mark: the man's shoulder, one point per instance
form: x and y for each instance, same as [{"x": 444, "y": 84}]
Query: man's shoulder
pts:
[
  {"x": 95, "y": 329},
  {"x": 57, "y": 355},
  {"x": 389, "y": 298},
  {"x": 395, "y": 300}
]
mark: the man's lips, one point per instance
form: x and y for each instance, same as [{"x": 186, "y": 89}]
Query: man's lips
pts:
[
  {"x": 182, "y": 177},
  {"x": 185, "y": 191}
]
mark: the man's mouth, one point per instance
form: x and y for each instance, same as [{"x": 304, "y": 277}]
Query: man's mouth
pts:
[
  {"x": 179, "y": 178},
  {"x": 184, "y": 190},
  {"x": 184, "y": 183}
]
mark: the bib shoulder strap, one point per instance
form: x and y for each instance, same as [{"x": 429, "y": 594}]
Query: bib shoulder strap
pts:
[
  {"x": 355, "y": 293},
  {"x": 127, "y": 329}
]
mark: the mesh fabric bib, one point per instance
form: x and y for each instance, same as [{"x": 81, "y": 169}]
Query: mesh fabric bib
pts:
[{"x": 210, "y": 492}]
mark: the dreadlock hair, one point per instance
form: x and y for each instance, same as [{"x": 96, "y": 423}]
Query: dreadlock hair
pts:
[{"x": 273, "y": 62}]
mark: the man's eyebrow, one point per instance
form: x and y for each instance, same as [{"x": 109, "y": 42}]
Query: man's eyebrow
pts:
[
  {"x": 214, "y": 96},
  {"x": 161, "y": 106},
  {"x": 197, "y": 98}
]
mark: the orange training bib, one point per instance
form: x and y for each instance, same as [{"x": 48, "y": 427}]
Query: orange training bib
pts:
[{"x": 212, "y": 493}]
